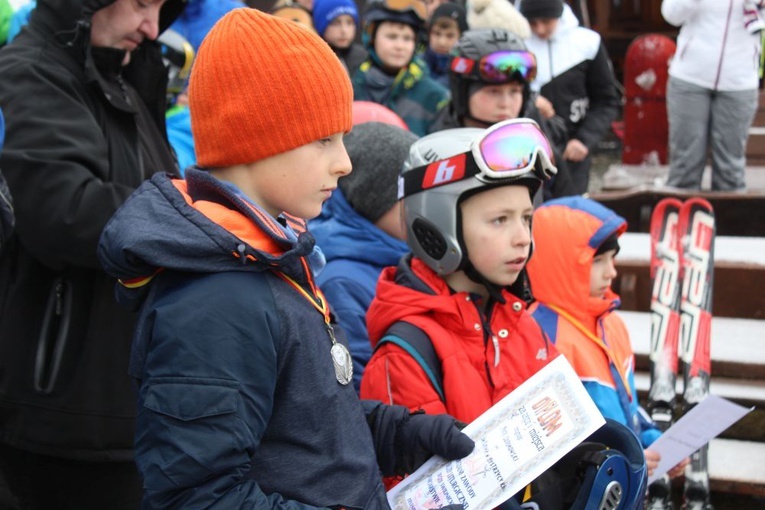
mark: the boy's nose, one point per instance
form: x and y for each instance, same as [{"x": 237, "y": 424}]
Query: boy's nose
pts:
[
  {"x": 523, "y": 236},
  {"x": 343, "y": 164}
]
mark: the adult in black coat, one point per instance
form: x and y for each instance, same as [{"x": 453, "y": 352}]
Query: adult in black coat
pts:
[{"x": 83, "y": 93}]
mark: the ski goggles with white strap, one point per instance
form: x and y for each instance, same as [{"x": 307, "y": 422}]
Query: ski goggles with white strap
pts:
[
  {"x": 506, "y": 151},
  {"x": 498, "y": 67}
]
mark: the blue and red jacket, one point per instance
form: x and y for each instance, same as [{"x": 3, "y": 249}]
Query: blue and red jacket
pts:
[{"x": 587, "y": 330}]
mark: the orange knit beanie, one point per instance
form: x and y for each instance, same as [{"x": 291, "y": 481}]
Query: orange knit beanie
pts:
[{"x": 263, "y": 85}]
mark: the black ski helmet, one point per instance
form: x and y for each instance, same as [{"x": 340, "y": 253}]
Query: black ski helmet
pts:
[
  {"x": 409, "y": 12},
  {"x": 473, "y": 45}
]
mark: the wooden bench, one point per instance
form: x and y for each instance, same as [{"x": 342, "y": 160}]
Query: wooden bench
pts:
[{"x": 739, "y": 280}]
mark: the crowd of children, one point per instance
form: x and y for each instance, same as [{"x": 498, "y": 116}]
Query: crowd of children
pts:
[{"x": 322, "y": 304}]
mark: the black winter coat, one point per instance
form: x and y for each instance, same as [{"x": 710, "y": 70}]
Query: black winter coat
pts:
[{"x": 82, "y": 133}]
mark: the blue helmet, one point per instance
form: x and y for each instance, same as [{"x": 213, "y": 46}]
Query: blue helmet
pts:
[
  {"x": 606, "y": 471},
  {"x": 615, "y": 474}
]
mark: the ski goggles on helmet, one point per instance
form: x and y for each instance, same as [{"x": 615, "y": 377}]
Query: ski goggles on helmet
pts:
[
  {"x": 416, "y": 6},
  {"x": 498, "y": 67},
  {"x": 506, "y": 151}
]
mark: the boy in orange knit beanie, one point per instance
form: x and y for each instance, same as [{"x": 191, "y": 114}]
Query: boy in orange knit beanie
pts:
[{"x": 243, "y": 378}]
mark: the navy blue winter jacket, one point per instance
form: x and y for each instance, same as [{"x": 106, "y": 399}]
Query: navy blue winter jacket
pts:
[{"x": 238, "y": 406}]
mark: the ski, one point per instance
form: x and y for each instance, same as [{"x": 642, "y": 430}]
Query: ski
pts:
[
  {"x": 665, "y": 328},
  {"x": 696, "y": 228}
]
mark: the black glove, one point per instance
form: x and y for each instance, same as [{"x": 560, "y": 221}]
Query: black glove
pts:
[{"x": 404, "y": 441}]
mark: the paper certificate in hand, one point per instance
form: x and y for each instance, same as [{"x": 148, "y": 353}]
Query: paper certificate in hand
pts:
[{"x": 515, "y": 441}]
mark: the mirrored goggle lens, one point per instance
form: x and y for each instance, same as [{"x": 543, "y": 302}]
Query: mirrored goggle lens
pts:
[
  {"x": 417, "y": 6},
  {"x": 505, "y": 66},
  {"x": 512, "y": 147}
]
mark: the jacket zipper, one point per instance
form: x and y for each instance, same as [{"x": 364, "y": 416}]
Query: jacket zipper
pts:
[
  {"x": 124, "y": 90},
  {"x": 53, "y": 338},
  {"x": 488, "y": 334},
  {"x": 722, "y": 48}
]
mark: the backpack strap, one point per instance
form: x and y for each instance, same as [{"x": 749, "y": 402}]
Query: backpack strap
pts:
[{"x": 415, "y": 342}]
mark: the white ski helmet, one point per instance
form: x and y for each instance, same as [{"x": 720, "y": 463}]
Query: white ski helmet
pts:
[{"x": 443, "y": 169}]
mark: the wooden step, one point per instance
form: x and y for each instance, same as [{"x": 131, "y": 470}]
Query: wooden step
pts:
[
  {"x": 741, "y": 391},
  {"x": 739, "y": 280},
  {"x": 755, "y": 145},
  {"x": 730, "y": 250},
  {"x": 745, "y": 392},
  {"x": 737, "y": 345},
  {"x": 737, "y": 467},
  {"x": 737, "y": 213}
]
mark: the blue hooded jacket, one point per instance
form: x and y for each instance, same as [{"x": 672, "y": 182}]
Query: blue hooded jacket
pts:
[
  {"x": 238, "y": 405},
  {"x": 356, "y": 253}
]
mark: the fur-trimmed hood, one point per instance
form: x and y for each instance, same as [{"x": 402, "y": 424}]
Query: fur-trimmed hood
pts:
[{"x": 497, "y": 14}]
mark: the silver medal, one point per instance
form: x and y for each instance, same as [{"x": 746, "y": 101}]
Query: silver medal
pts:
[{"x": 341, "y": 358}]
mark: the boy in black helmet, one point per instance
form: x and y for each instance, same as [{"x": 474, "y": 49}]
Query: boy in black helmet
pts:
[{"x": 489, "y": 79}]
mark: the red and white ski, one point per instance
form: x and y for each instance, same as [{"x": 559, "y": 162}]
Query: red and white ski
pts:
[
  {"x": 665, "y": 328},
  {"x": 697, "y": 230}
]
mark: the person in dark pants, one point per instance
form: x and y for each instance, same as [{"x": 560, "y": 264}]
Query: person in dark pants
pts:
[
  {"x": 83, "y": 93},
  {"x": 574, "y": 77}
]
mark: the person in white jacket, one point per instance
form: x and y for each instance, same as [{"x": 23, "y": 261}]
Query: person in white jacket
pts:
[
  {"x": 575, "y": 80},
  {"x": 712, "y": 90}
]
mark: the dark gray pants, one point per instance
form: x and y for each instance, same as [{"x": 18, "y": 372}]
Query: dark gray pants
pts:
[{"x": 700, "y": 117}]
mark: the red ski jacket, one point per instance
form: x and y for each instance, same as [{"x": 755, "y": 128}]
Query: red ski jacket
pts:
[{"x": 484, "y": 355}]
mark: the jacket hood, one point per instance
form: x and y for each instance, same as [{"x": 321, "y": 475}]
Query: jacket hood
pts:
[
  {"x": 69, "y": 20},
  {"x": 195, "y": 225},
  {"x": 342, "y": 233},
  {"x": 567, "y": 21},
  {"x": 567, "y": 233},
  {"x": 401, "y": 291}
]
